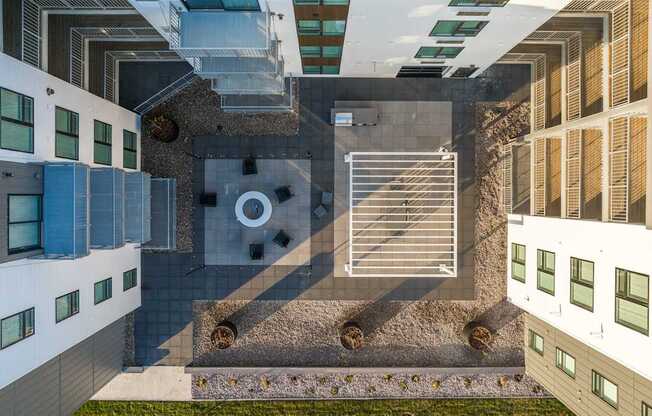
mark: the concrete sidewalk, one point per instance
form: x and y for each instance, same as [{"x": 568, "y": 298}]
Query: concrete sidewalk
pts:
[{"x": 153, "y": 384}]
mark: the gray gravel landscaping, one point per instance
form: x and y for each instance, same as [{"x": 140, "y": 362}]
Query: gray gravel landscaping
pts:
[
  {"x": 422, "y": 383},
  {"x": 397, "y": 333}
]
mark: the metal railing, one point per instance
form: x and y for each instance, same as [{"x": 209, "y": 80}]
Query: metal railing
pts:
[
  {"x": 112, "y": 59},
  {"x": 619, "y": 131},
  {"x": 79, "y": 36},
  {"x": 508, "y": 178},
  {"x": 619, "y": 75},
  {"x": 166, "y": 93},
  {"x": 540, "y": 171},
  {"x": 574, "y": 173}
]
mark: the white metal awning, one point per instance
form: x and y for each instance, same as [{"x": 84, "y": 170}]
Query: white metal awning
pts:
[{"x": 402, "y": 214}]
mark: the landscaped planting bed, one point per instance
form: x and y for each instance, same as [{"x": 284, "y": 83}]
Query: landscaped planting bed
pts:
[{"x": 421, "y": 383}]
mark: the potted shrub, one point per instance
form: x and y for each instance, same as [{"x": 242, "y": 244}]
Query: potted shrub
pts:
[
  {"x": 224, "y": 335},
  {"x": 479, "y": 336},
  {"x": 351, "y": 336},
  {"x": 163, "y": 128}
]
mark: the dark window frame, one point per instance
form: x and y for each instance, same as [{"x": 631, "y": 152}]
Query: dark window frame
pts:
[
  {"x": 318, "y": 32},
  {"x": 600, "y": 391},
  {"x": 103, "y": 142},
  {"x": 110, "y": 290},
  {"x": 476, "y": 3},
  {"x": 439, "y": 54},
  {"x": 26, "y": 249},
  {"x": 561, "y": 365},
  {"x": 646, "y": 409},
  {"x": 129, "y": 150},
  {"x": 74, "y": 312},
  {"x": 634, "y": 300},
  {"x": 65, "y": 133},
  {"x": 532, "y": 344},
  {"x": 544, "y": 269},
  {"x": 135, "y": 279},
  {"x": 518, "y": 261},
  {"x": 19, "y": 122},
  {"x": 456, "y": 32},
  {"x": 575, "y": 278},
  {"x": 25, "y": 335},
  {"x": 235, "y": 9}
]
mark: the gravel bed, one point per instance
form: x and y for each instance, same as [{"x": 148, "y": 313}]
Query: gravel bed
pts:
[
  {"x": 423, "y": 384},
  {"x": 129, "y": 355},
  {"x": 397, "y": 333},
  {"x": 196, "y": 111}
]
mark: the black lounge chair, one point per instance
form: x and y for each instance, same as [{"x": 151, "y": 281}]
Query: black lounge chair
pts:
[
  {"x": 282, "y": 239},
  {"x": 283, "y": 194},
  {"x": 249, "y": 166},
  {"x": 208, "y": 199},
  {"x": 256, "y": 251}
]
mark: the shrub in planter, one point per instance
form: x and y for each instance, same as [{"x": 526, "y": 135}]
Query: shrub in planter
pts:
[
  {"x": 351, "y": 336},
  {"x": 163, "y": 128},
  {"x": 479, "y": 336},
  {"x": 224, "y": 335}
]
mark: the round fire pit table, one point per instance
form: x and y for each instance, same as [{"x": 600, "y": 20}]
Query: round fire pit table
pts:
[{"x": 253, "y": 209}]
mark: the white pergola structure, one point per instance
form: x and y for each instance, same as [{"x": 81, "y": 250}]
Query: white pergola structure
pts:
[{"x": 402, "y": 214}]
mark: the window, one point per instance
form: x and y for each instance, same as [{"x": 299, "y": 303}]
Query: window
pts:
[
  {"x": 457, "y": 28},
  {"x": 66, "y": 134},
  {"x": 604, "y": 389},
  {"x": 536, "y": 342},
  {"x": 632, "y": 300},
  {"x": 129, "y": 279},
  {"x": 432, "y": 52},
  {"x": 646, "y": 410},
  {"x": 565, "y": 362},
  {"x": 309, "y": 27},
  {"x": 546, "y": 271},
  {"x": 324, "y": 2},
  {"x": 478, "y": 3},
  {"x": 310, "y": 51},
  {"x": 581, "y": 283},
  {"x": 16, "y": 328},
  {"x": 66, "y": 306},
  {"x": 16, "y": 121},
  {"x": 102, "y": 148},
  {"x": 24, "y": 223},
  {"x": 311, "y": 69},
  {"x": 130, "y": 149},
  {"x": 330, "y": 69},
  {"x": 518, "y": 262},
  {"x": 223, "y": 4},
  {"x": 333, "y": 27},
  {"x": 331, "y": 51},
  {"x": 103, "y": 290}
]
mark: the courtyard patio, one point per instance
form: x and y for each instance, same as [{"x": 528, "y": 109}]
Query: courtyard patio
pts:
[{"x": 288, "y": 310}]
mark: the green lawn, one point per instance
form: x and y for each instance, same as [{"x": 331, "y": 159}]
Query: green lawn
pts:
[{"x": 521, "y": 407}]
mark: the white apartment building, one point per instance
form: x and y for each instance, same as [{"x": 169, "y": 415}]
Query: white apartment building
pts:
[{"x": 579, "y": 219}]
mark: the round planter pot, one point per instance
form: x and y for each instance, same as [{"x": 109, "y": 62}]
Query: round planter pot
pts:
[
  {"x": 163, "y": 129},
  {"x": 351, "y": 336},
  {"x": 224, "y": 335},
  {"x": 479, "y": 336}
]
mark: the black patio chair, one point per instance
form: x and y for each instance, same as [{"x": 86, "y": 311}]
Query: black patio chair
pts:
[
  {"x": 208, "y": 199},
  {"x": 282, "y": 239},
  {"x": 283, "y": 194},
  {"x": 256, "y": 251},
  {"x": 249, "y": 166}
]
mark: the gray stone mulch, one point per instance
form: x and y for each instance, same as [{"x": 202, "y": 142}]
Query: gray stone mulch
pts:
[
  {"x": 422, "y": 383},
  {"x": 397, "y": 333},
  {"x": 196, "y": 111}
]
